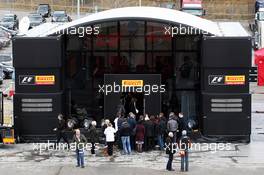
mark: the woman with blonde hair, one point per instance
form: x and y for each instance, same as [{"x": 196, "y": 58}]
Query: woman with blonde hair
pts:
[{"x": 109, "y": 133}]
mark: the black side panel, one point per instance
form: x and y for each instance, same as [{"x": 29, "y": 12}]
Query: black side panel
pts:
[
  {"x": 39, "y": 86},
  {"x": 226, "y": 52},
  {"x": 225, "y": 98},
  {"x": 39, "y": 52},
  {"x": 36, "y": 114},
  {"x": 226, "y": 114}
]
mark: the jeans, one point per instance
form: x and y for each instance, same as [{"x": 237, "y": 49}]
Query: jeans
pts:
[
  {"x": 161, "y": 141},
  {"x": 169, "y": 164},
  {"x": 126, "y": 144},
  {"x": 185, "y": 161},
  {"x": 80, "y": 157}
]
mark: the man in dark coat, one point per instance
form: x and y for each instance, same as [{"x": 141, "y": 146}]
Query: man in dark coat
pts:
[
  {"x": 120, "y": 122},
  {"x": 94, "y": 138},
  {"x": 61, "y": 130},
  {"x": 149, "y": 134},
  {"x": 170, "y": 150},
  {"x": 182, "y": 120},
  {"x": 161, "y": 130},
  {"x": 132, "y": 124}
]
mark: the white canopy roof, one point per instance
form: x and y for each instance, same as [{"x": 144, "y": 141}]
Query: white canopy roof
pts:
[{"x": 147, "y": 13}]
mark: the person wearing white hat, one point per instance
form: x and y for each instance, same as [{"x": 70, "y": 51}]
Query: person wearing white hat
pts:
[
  {"x": 170, "y": 150},
  {"x": 185, "y": 145}
]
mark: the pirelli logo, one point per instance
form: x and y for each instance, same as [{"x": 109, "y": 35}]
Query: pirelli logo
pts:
[
  {"x": 45, "y": 80},
  {"x": 226, "y": 79},
  {"x": 133, "y": 83},
  {"x": 235, "y": 79},
  {"x": 36, "y": 79}
]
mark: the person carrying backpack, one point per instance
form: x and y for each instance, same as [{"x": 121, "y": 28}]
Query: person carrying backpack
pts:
[{"x": 185, "y": 145}]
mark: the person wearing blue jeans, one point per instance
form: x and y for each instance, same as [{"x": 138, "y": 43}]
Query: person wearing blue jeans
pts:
[
  {"x": 161, "y": 130},
  {"x": 185, "y": 145},
  {"x": 185, "y": 161},
  {"x": 80, "y": 158},
  {"x": 125, "y": 133},
  {"x": 161, "y": 141},
  {"x": 80, "y": 141},
  {"x": 126, "y": 144}
]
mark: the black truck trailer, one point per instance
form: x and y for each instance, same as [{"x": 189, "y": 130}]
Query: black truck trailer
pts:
[{"x": 204, "y": 75}]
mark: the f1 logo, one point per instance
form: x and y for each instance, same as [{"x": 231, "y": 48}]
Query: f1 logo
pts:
[
  {"x": 216, "y": 79},
  {"x": 26, "y": 80}
]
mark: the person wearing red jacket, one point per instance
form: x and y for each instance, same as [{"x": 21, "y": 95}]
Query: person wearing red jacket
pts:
[{"x": 139, "y": 135}]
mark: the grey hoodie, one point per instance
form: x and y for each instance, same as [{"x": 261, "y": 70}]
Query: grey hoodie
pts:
[{"x": 172, "y": 125}]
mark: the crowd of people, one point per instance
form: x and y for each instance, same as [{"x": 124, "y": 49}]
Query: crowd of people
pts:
[
  {"x": 129, "y": 135},
  {"x": 149, "y": 131}
]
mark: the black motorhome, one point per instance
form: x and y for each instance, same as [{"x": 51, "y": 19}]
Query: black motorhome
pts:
[{"x": 196, "y": 66}]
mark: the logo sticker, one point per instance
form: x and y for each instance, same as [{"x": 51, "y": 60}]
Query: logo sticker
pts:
[
  {"x": 45, "y": 80},
  {"x": 235, "y": 79},
  {"x": 26, "y": 79},
  {"x": 36, "y": 79},
  {"x": 216, "y": 79},
  {"x": 227, "y": 79},
  {"x": 133, "y": 83}
]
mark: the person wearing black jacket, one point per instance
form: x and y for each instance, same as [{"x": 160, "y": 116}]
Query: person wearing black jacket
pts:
[
  {"x": 149, "y": 134},
  {"x": 170, "y": 150},
  {"x": 161, "y": 130},
  {"x": 132, "y": 124},
  {"x": 94, "y": 138},
  {"x": 182, "y": 120},
  {"x": 125, "y": 133},
  {"x": 61, "y": 130}
]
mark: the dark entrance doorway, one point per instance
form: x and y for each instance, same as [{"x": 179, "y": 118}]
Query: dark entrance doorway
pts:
[
  {"x": 137, "y": 93},
  {"x": 132, "y": 102}
]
